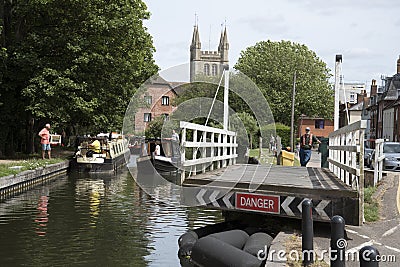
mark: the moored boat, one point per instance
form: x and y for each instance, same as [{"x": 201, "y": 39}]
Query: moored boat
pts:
[
  {"x": 135, "y": 144},
  {"x": 159, "y": 155},
  {"x": 103, "y": 153}
]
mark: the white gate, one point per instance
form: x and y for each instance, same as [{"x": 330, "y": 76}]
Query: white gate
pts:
[
  {"x": 210, "y": 148},
  {"x": 346, "y": 158}
]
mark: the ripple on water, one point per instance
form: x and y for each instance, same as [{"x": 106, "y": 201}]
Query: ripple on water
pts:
[{"x": 81, "y": 220}]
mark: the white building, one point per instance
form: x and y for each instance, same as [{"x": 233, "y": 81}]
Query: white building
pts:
[{"x": 348, "y": 92}]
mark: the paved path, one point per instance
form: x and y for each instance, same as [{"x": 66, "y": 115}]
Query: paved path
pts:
[
  {"x": 315, "y": 160},
  {"x": 384, "y": 234}
]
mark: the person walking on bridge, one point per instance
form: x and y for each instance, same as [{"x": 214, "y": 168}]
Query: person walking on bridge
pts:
[{"x": 306, "y": 142}]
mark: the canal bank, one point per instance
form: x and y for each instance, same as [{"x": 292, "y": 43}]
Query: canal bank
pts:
[{"x": 26, "y": 179}]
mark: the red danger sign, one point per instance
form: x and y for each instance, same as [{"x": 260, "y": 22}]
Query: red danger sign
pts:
[{"x": 254, "y": 202}]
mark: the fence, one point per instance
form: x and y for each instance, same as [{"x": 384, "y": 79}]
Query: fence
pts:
[
  {"x": 205, "y": 148},
  {"x": 346, "y": 158},
  {"x": 378, "y": 160}
]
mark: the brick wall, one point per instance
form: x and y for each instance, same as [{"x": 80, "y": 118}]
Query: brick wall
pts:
[
  {"x": 311, "y": 122},
  {"x": 156, "y": 91}
]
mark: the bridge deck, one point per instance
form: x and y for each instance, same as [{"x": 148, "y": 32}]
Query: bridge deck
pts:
[{"x": 291, "y": 185}]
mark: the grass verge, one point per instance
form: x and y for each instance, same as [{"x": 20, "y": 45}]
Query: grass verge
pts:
[
  {"x": 371, "y": 205},
  {"x": 23, "y": 165}
]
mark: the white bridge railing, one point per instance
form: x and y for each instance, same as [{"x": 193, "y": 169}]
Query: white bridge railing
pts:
[
  {"x": 378, "y": 160},
  {"x": 346, "y": 158},
  {"x": 205, "y": 148}
]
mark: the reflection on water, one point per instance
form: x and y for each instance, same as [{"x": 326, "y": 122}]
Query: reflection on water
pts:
[
  {"x": 42, "y": 217},
  {"x": 96, "y": 220}
]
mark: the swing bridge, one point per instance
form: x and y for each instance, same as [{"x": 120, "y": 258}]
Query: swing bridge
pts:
[{"x": 275, "y": 189}]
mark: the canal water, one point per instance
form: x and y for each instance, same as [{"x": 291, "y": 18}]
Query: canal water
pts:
[{"x": 86, "y": 220}]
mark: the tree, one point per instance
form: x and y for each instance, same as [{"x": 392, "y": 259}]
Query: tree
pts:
[
  {"x": 73, "y": 62},
  {"x": 271, "y": 65}
]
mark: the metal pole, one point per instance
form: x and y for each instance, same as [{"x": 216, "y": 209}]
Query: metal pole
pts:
[
  {"x": 338, "y": 242},
  {"x": 292, "y": 122},
  {"x": 368, "y": 256},
  {"x": 337, "y": 79},
  {"x": 226, "y": 94},
  {"x": 307, "y": 232}
]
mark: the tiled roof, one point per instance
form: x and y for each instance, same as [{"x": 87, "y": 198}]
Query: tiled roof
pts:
[{"x": 358, "y": 106}]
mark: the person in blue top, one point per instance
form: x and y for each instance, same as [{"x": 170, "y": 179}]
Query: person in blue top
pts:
[{"x": 306, "y": 142}]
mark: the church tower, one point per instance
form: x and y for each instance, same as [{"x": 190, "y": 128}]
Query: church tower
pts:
[{"x": 209, "y": 63}]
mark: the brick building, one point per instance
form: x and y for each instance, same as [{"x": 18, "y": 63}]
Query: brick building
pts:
[
  {"x": 320, "y": 127},
  {"x": 156, "y": 101},
  {"x": 384, "y": 108}
]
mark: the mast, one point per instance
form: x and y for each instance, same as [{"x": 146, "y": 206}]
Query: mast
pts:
[
  {"x": 226, "y": 94},
  {"x": 337, "y": 80},
  {"x": 292, "y": 121}
]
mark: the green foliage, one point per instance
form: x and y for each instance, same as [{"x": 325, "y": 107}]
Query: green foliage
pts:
[
  {"x": 371, "y": 205},
  {"x": 277, "y": 129},
  {"x": 73, "y": 63},
  {"x": 154, "y": 128},
  {"x": 247, "y": 135},
  {"x": 197, "y": 90},
  {"x": 271, "y": 65}
]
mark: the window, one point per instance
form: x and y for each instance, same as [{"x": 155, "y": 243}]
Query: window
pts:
[
  {"x": 319, "y": 124},
  {"x": 214, "y": 70},
  {"x": 148, "y": 99},
  {"x": 207, "y": 69},
  {"x": 352, "y": 97},
  {"x": 166, "y": 116},
  {"x": 147, "y": 117},
  {"x": 165, "y": 101}
]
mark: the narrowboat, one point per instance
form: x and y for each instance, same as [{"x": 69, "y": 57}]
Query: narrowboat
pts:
[{"x": 103, "y": 153}]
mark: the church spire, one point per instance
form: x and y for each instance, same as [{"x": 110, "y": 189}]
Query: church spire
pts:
[
  {"x": 195, "y": 39},
  {"x": 223, "y": 41}
]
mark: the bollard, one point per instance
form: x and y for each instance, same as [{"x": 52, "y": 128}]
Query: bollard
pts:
[
  {"x": 368, "y": 257},
  {"x": 338, "y": 242},
  {"x": 307, "y": 229}
]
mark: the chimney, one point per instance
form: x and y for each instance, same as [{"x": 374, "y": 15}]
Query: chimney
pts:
[
  {"x": 374, "y": 88},
  {"x": 398, "y": 65},
  {"x": 360, "y": 96}
]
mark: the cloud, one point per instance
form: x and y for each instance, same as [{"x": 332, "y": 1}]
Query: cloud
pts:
[
  {"x": 270, "y": 24},
  {"x": 331, "y": 8},
  {"x": 358, "y": 52},
  {"x": 172, "y": 52}
]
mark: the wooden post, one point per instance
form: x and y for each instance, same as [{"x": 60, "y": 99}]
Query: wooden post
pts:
[
  {"x": 219, "y": 150},
  {"x": 361, "y": 178},
  {"x": 203, "y": 152},
  {"x": 224, "y": 149},
  {"x": 183, "y": 154},
  {"x": 194, "y": 153},
  {"x": 212, "y": 151}
]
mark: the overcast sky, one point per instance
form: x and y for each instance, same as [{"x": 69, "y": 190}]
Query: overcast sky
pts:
[{"x": 365, "y": 32}]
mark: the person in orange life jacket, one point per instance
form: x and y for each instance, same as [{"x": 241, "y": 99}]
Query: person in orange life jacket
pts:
[{"x": 306, "y": 142}]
